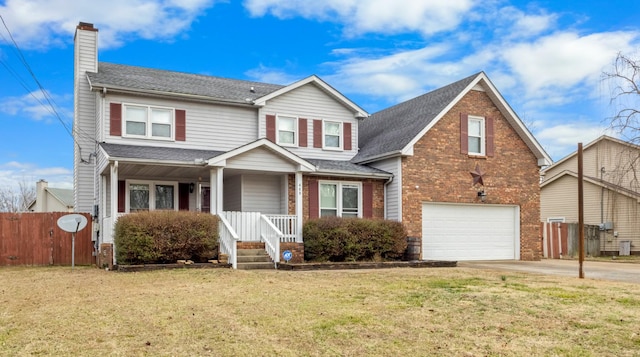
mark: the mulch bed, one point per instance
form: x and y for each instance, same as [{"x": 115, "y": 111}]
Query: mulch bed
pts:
[
  {"x": 300, "y": 266},
  {"x": 367, "y": 265}
]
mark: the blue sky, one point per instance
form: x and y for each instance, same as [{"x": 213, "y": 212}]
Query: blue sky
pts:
[{"x": 546, "y": 58}]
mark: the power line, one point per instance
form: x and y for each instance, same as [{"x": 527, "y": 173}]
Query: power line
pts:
[{"x": 51, "y": 104}]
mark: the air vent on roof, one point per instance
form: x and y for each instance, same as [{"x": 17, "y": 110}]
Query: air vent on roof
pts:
[{"x": 252, "y": 89}]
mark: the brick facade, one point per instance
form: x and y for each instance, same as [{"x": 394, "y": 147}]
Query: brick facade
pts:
[
  {"x": 438, "y": 172},
  {"x": 378, "y": 193}
]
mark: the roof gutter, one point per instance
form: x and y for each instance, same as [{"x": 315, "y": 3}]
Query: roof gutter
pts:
[
  {"x": 351, "y": 174},
  {"x": 381, "y": 157}
]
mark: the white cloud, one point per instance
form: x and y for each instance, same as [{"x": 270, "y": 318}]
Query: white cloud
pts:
[
  {"x": 372, "y": 16},
  {"x": 562, "y": 139},
  {"x": 564, "y": 60},
  {"x": 46, "y": 23},
  {"x": 34, "y": 105},
  {"x": 13, "y": 173},
  {"x": 271, "y": 75}
]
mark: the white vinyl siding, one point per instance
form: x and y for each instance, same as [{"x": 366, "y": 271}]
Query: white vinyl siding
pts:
[
  {"x": 260, "y": 159},
  {"x": 208, "y": 126},
  {"x": 85, "y": 57},
  {"x": 232, "y": 197},
  {"x": 262, "y": 193},
  {"x": 311, "y": 103},
  {"x": 393, "y": 192}
]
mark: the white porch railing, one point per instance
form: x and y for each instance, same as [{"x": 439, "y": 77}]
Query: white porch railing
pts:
[
  {"x": 228, "y": 241},
  {"x": 271, "y": 236},
  {"x": 288, "y": 225}
]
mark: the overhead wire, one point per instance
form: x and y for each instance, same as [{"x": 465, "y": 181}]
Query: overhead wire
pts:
[{"x": 50, "y": 105}]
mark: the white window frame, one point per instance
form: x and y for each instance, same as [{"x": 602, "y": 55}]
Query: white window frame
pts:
[
  {"x": 295, "y": 129},
  {"x": 152, "y": 192},
  {"x": 148, "y": 123},
  {"x": 339, "y": 187},
  {"x": 340, "y": 135},
  {"x": 483, "y": 135}
]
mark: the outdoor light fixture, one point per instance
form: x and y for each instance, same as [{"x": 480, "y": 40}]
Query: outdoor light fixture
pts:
[
  {"x": 191, "y": 187},
  {"x": 482, "y": 195}
]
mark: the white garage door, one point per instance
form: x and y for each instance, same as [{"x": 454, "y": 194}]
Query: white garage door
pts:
[{"x": 470, "y": 232}]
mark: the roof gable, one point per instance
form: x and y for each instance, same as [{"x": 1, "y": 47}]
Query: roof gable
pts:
[
  {"x": 394, "y": 131},
  {"x": 590, "y": 145},
  {"x": 283, "y": 153},
  {"x": 357, "y": 111}
]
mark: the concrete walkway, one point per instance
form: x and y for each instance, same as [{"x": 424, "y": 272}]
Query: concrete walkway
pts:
[{"x": 614, "y": 271}]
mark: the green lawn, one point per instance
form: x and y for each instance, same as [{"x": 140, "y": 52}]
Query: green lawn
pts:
[{"x": 401, "y": 311}]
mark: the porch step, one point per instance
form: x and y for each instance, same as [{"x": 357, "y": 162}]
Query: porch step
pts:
[{"x": 254, "y": 259}]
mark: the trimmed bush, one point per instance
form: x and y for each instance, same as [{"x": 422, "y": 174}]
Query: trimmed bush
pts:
[
  {"x": 165, "y": 237},
  {"x": 337, "y": 239}
]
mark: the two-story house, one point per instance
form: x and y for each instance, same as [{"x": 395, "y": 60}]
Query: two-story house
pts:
[{"x": 266, "y": 157}]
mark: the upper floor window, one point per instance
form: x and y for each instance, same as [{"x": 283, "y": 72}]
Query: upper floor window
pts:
[
  {"x": 332, "y": 138},
  {"x": 476, "y": 135},
  {"x": 287, "y": 130},
  {"x": 340, "y": 199},
  {"x": 148, "y": 122}
]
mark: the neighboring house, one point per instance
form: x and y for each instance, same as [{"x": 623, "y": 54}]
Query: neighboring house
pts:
[
  {"x": 267, "y": 157},
  {"x": 611, "y": 192},
  {"x": 49, "y": 199},
  {"x": 466, "y": 172}
]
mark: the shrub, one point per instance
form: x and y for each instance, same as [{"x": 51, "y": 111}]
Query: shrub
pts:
[
  {"x": 350, "y": 239},
  {"x": 165, "y": 236}
]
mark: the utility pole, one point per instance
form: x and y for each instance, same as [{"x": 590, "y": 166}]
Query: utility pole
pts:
[{"x": 580, "y": 213}]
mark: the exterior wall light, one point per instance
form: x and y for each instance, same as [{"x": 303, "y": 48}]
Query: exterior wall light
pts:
[{"x": 482, "y": 195}]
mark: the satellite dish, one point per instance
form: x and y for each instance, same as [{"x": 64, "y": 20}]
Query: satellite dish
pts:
[{"x": 72, "y": 223}]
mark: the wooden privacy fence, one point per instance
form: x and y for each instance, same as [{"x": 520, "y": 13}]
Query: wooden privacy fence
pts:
[
  {"x": 561, "y": 239},
  {"x": 35, "y": 239}
]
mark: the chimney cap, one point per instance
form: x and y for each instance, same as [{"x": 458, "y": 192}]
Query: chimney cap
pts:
[{"x": 86, "y": 26}]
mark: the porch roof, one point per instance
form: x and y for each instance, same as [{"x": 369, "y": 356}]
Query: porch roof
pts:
[
  {"x": 347, "y": 168},
  {"x": 156, "y": 153}
]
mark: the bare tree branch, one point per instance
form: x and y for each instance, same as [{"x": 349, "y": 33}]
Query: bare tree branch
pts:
[{"x": 17, "y": 199}]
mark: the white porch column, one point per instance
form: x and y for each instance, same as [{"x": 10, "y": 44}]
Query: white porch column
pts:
[
  {"x": 114, "y": 193},
  {"x": 298, "y": 189},
  {"x": 215, "y": 182}
]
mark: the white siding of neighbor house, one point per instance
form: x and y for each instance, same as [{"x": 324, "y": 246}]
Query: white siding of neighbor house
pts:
[
  {"x": 393, "y": 205},
  {"x": 310, "y": 102},
  {"x": 260, "y": 159},
  {"x": 560, "y": 199},
  {"x": 262, "y": 193},
  {"x": 208, "y": 126},
  {"x": 84, "y": 128}
]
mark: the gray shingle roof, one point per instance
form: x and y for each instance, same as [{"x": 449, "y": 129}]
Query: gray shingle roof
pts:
[
  {"x": 112, "y": 75},
  {"x": 157, "y": 153},
  {"x": 346, "y": 167},
  {"x": 390, "y": 130},
  {"x": 64, "y": 195}
]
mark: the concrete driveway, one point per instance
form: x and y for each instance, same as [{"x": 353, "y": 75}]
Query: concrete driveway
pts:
[{"x": 626, "y": 272}]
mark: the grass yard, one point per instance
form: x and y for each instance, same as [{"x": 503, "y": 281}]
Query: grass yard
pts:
[{"x": 389, "y": 312}]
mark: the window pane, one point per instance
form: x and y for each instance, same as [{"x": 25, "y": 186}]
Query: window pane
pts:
[
  {"x": 475, "y": 127},
  {"x": 474, "y": 145},
  {"x": 332, "y": 128},
  {"x": 332, "y": 141},
  {"x": 328, "y": 196},
  {"x": 162, "y": 130},
  {"x": 164, "y": 196},
  {"x": 138, "y": 197},
  {"x": 135, "y": 114},
  {"x": 328, "y": 213},
  {"x": 162, "y": 116},
  {"x": 287, "y": 124},
  {"x": 349, "y": 198},
  {"x": 136, "y": 128},
  {"x": 285, "y": 137}
]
